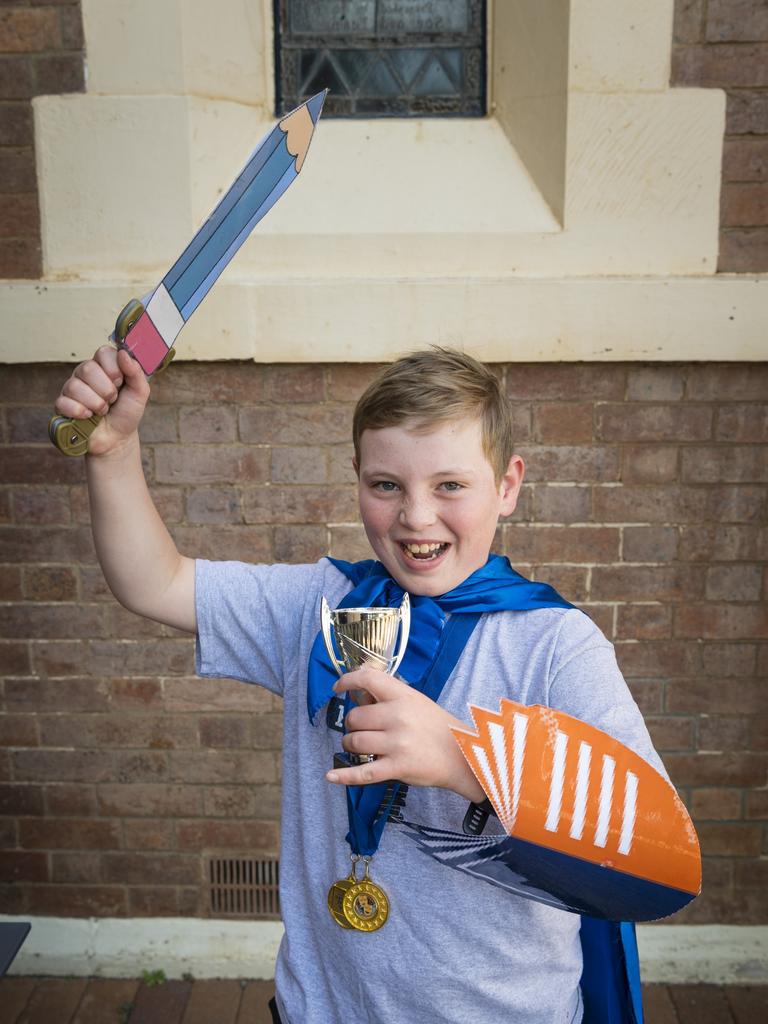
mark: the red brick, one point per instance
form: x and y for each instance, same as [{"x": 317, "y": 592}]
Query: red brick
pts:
[
  {"x": 148, "y": 800},
  {"x": 563, "y": 544},
  {"x": 50, "y": 583},
  {"x": 644, "y": 621},
  {"x": 718, "y": 769},
  {"x": 15, "y": 993},
  {"x": 66, "y": 800},
  {"x": 245, "y": 544},
  {"x": 688, "y": 28},
  {"x": 745, "y": 159},
  {"x": 71, "y": 22},
  {"x": 230, "y": 802},
  {"x": 224, "y": 731},
  {"x": 148, "y": 834},
  {"x": 601, "y": 615},
  {"x": 651, "y": 583},
  {"x": 104, "y": 997},
  {"x": 574, "y": 381},
  {"x": 41, "y": 505},
  {"x": 661, "y": 658},
  {"x": 340, "y": 469},
  {"x": 721, "y": 621},
  {"x": 13, "y": 899},
  {"x": 292, "y": 384},
  {"x": 744, "y": 205},
  {"x": 302, "y": 465},
  {"x": 151, "y": 868},
  {"x": 567, "y": 422},
  {"x": 194, "y": 694},
  {"x": 35, "y": 464},
  {"x": 729, "y": 660},
  {"x": 299, "y": 544},
  {"x": 166, "y": 657},
  {"x": 154, "y": 901},
  {"x": 68, "y": 834},
  {"x": 349, "y": 542},
  {"x": 207, "y": 424},
  {"x": 18, "y": 731},
  {"x": 142, "y": 766},
  {"x": 76, "y": 867},
  {"x": 742, "y": 423},
  {"x": 20, "y": 258},
  {"x": 569, "y": 580},
  {"x": 563, "y": 504},
  {"x": 730, "y": 840},
  {"x": 299, "y": 504},
  {"x": 63, "y": 765},
  {"x": 77, "y": 901},
  {"x": 159, "y": 424},
  {"x": 742, "y": 464},
  {"x": 739, "y": 65},
  {"x": 719, "y": 543},
  {"x": 655, "y": 383},
  {"x": 716, "y": 804},
  {"x": 199, "y": 464},
  {"x": 297, "y": 425},
  {"x": 135, "y": 693},
  {"x": 15, "y": 78},
  {"x": 23, "y": 866},
  {"x": 671, "y": 733},
  {"x": 200, "y": 384},
  {"x": 738, "y": 382},
  {"x": 734, "y": 582},
  {"x": 649, "y": 464},
  {"x": 736, "y": 21},
  {"x": 682, "y": 504},
  {"x": 261, "y": 836},
  {"x": 19, "y": 214},
  {"x": 222, "y": 766},
  {"x": 10, "y": 583},
  {"x": 570, "y": 463},
  {"x": 647, "y": 422},
  {"x": 743, "y": 251},
  {"x": 59, "y": 73},
  {"x": 347, "y": 381},
  {"x": 62, "y": 695},
  {"x": 649, "y": 543},
  {"x": 710, "y": 695},
  {"x": 267, "y": 731},
  {"x": 20, "y": 799},
  {"x": 724, "y": 732},
  {"x": 50, "y": 620},
  {"x": 29, "y": 31},
  {"x": 657, "y": 1004},
  {"x": 747, "y": 1002},
  {"x": 256, "y": 995},
  {"x": 757, "y": 803}
]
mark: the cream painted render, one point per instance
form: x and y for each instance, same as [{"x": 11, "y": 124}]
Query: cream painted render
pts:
[{"x": 579, "y": 220}]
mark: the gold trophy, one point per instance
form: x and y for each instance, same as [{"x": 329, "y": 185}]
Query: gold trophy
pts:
[{"x": 365, "y": 636}]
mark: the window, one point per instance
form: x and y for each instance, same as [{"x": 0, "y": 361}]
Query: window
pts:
[{"x": 382, "y": 58}]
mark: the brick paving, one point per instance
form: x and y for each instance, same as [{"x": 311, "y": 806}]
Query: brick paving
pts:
[{"x": 109, "y": 1001}]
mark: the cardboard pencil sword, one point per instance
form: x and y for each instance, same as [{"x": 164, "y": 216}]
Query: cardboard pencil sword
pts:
[{"x": 148, "y": 329}]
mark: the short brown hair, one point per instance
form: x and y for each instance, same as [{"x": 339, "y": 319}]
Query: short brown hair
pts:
[{"x": 432, "y": 387}]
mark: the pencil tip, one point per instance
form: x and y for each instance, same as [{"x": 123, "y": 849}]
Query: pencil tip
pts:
[{"x": 315, "y": 105}]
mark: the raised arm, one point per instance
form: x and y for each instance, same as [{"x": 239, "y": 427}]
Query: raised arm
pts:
[{"x": 138, "y": 556}]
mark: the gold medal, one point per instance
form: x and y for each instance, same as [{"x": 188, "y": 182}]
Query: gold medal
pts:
[
  {"x": 365, "y": 905},
  {"x": 337, "y": 891}
]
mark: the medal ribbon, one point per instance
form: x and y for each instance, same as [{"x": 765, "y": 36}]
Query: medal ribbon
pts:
[{"x": 435, "y": 644}]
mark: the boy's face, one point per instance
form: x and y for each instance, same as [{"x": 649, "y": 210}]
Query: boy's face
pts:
[{"x": 430, "y": 502}]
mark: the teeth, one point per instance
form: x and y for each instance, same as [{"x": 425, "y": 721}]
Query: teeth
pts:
[{"x": 422, "y": 549}]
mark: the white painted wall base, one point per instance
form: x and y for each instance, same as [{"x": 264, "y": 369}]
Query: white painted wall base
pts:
[{"x": 120, "y": 948}]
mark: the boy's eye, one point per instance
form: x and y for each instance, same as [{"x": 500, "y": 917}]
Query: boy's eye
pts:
[
  {"x": 385, "y": 485},
  {"x": 451, "y": 485}
]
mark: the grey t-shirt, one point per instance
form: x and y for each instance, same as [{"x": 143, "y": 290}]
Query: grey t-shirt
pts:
[{"x": 455, "y": 948}]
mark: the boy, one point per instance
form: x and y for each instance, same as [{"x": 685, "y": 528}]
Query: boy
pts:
[{"x": 436, "y": 468}]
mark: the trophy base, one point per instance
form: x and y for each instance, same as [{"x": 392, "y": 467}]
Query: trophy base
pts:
[{"x": 345, "y": 760}]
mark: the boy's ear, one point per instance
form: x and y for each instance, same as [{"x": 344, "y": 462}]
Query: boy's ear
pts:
[{"x": 510, "y": 485}]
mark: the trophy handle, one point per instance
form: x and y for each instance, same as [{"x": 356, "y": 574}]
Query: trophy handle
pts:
[
  {"x": 405, "y": 629},
  {"x": 325, "y": 628}
]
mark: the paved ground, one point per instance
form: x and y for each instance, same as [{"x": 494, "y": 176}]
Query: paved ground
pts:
[{"x": 103, "y": 1001}]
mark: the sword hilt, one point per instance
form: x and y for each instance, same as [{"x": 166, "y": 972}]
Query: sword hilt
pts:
[{"x": 71, "y": 436}]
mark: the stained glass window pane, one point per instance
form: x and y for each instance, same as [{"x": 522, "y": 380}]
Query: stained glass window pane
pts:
[{"x": 382, "y": 58}]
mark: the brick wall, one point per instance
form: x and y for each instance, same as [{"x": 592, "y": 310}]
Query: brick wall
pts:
[
  {"x": 646, "y": 502},
  {"x": 724, "y": 44},
  {"x": 41, "y": 52}
]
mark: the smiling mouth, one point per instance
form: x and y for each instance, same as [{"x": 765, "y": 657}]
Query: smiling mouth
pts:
[{"x": 424, "y": 552}]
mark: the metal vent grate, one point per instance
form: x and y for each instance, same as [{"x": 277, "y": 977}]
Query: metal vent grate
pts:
[{"x": 244, "y": 887}]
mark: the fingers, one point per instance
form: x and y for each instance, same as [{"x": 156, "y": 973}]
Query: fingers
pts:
[
  {"x": 363, "y": 774},
  {"x": 91, "y": 389},
  {"x": 378, "y": 685},
  {"x": 365, "y": 743}
]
